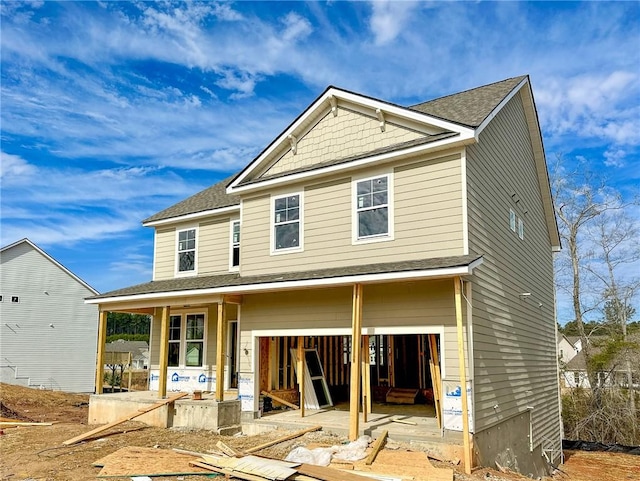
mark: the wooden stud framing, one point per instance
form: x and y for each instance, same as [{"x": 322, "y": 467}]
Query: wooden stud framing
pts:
[
  {"x": 356, "y": 344},
  {"x": 436, "y": 380},
  {"x": 220, "y": 357},
  {"x": 164, "y": 352},
  {"x": 366, "y": 380},
  {"x": 102, "y": 337},
  {"x": 301, "y": 373},
  {"x": 463, "y": 377}
]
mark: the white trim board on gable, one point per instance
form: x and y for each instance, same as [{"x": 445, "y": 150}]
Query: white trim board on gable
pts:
[{"x": 329, "y": 104}]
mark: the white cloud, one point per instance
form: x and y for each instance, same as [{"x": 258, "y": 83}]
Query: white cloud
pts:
[
  {"x": 13, "y": 167},
  {"x": 389, "y": 18},
  {"x": 614, "y": 157}
]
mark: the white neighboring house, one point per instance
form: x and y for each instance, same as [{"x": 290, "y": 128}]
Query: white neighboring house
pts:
[{"x": 46, "y": 329}]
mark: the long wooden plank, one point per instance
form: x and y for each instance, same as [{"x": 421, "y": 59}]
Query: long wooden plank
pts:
[
  {"x": 328, "y": 474},
  {"x": 279, "y": 399},
  {"x": 102, "y": 337},
  {"x": 436, "y": 380},
  {"x": 463, "y": 377},
  {"x": 297, "y": 434},
  {"x": 301, "y": 373},
  {"x": 220, "y": 351},
  {"x": 129, "y": 417},
  {"x": 164, "y": 352},
  {"x": 376, "y": 448}
]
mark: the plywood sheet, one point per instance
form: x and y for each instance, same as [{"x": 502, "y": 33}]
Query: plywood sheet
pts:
[
  {"x": 138, "y": 461},
  {"x": 406, "y": 463}
]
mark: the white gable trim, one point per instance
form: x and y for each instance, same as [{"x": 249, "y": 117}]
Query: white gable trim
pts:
[
  {"x": 432, "y": 146},
  {"x": 47, "y": 256},
  {"x": 499, "y": 107},
  {"x": 288, "y": 285},
  {"x": 194, "y": 216},
  {"x": 330, "y": 100}
]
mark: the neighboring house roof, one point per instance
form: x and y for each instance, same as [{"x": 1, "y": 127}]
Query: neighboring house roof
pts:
[
  {"x": 235, "y": 281},
  {"x": 471, "y": 107},
  {"x": 49, "y": 258},
  {"x": 126, "y": 346},
  {"x": 573, "y": 339},
  {"x": 578, "y": 363}
]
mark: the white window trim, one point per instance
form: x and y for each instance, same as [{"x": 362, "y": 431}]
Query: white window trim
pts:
[
  {"x": 272, "y": 224},
  {"x": 389, "y": 236},
  {"x": 512, "y": 220},
  {"x": 194, "y": 272},
  {"x": 520, "y": 228},
  {"x": 233, "y": 268},
  {"x": 182, "y": 359}
]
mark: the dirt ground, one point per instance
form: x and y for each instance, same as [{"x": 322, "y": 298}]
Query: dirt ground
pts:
[{"x": 36, "y": 453}]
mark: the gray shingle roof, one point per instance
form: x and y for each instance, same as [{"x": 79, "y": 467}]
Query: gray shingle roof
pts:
[
  {"x": 470, "y": 107},
  {"x": 467, "y": 108},
  {"x": 235, "y": 280},
  {"x": 214, "y": 197}
]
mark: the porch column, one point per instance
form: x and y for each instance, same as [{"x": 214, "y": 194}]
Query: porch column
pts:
[
  {"x": 102, "y": 338},
  {"x": 164, "y": 352},
  {"x": 220, "y": 352},
  {"x": 463, "y": 376},
  {"x": 356, "y": 366},
  {"x": 301, "y": 364}
]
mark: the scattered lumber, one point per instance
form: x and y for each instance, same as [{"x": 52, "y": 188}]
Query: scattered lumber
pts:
[
  {"x": 129, "y": 417},
  {"x": 404, "y": 421},
  {"x": 376, "y": 447},
  {"x": 279, "y": 399},
  {"x": 297, "y": 434},
  {"x": 264, "y": 468},
  {"x": 228, "y": 450},
  {"x": 324, "y": 473},
  {"x": 22, "y": 423}
]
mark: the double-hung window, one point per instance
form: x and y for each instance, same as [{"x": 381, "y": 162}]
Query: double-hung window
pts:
[
  {"x": 174, "y": 340},
  {"x": 235, "y": 245},
  {"x": 194, "y": 340},
  {"x": 373, "y": 218},
  {"x": 186, "y": 260},
  {"x": 287, "y": 223},
  {"x": 186, "y": 340}
]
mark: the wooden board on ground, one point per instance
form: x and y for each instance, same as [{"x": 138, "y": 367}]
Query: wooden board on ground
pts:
[
  {"x": 402, "y": 396},
  {"x": 406, "y": 463},
  {"x": 138, "y": 461},
  {"x": 329, "y": 474},
  {"x": 272, "y": 469}
]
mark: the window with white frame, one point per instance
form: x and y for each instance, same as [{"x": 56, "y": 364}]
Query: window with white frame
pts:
[
  {"x": 235, "y": 244},
  {"x": 175, "y": 339},
  {"x": 187, "y": 250},
  {"x": 520, "y": 228},
  {"x": 186, "y": 340},
  {"x": 372, "y": 207},
  {"x": 286, "y": 222},
  {"x": 512, "y": 220},
  {"x": 194, "y": 350}
]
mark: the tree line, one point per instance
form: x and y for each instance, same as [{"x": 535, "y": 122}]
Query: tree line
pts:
[
  {"x": 130, "y": 327},
  {"x": 597, "y": 270}
]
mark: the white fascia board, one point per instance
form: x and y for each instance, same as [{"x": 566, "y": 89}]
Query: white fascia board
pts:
[
  {"x": 437, "y": 145},
  {"x": 416, "y": 116},
  {"x": 499, "y": 107},
  {"x": 194, "y": 216},
  {"x": 287, "y": 285}
]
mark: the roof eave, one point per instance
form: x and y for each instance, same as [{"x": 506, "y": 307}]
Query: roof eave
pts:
[{"x": 192, "y": 216}]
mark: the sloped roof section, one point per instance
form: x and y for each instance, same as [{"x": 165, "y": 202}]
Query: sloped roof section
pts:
[
  {"x": 214, "y": 197},
  {"x": 471, "y": 107},
  {"x": 235, "y": 280}
]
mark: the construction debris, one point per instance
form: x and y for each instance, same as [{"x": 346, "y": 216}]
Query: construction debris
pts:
[
  {"x": 297, "y": 434},
  {"x": 129, "y": 417},
  {"x": 376, "y": 448},
  {"x": 137, "y": 461}
]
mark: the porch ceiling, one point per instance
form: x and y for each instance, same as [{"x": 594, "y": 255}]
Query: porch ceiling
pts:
[{"x": 234, "y": 283}]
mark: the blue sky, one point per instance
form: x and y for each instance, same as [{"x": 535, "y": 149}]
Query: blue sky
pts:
[{"x": 113, "y": 111}]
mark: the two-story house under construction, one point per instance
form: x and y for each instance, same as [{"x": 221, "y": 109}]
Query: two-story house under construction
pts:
[{"x": 409, "y": 247}]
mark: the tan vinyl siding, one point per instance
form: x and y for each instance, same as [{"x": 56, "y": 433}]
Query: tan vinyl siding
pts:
[
  {"x": 389, "y": 306},
  {"x": 427, "y": 221},
  {"x": 212, "y": 245},
  {"x": 514, "y": 337},
  {"x": 345, "y": 135},
  {"x": 164, "y": 263}
]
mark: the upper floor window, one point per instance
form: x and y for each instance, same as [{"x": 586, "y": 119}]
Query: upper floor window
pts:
[
  {"x": 520, "y": 228},
  {"x": 373, "y": 207},
  {"x": 187, "y": 250},
  {"x": 512, "y": 220},
  {"x": 235, "y": 244},
  {"x": 287, "y": 218}
]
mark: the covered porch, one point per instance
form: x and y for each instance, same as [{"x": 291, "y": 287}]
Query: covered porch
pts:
[{"x": 238, "y": 352}]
